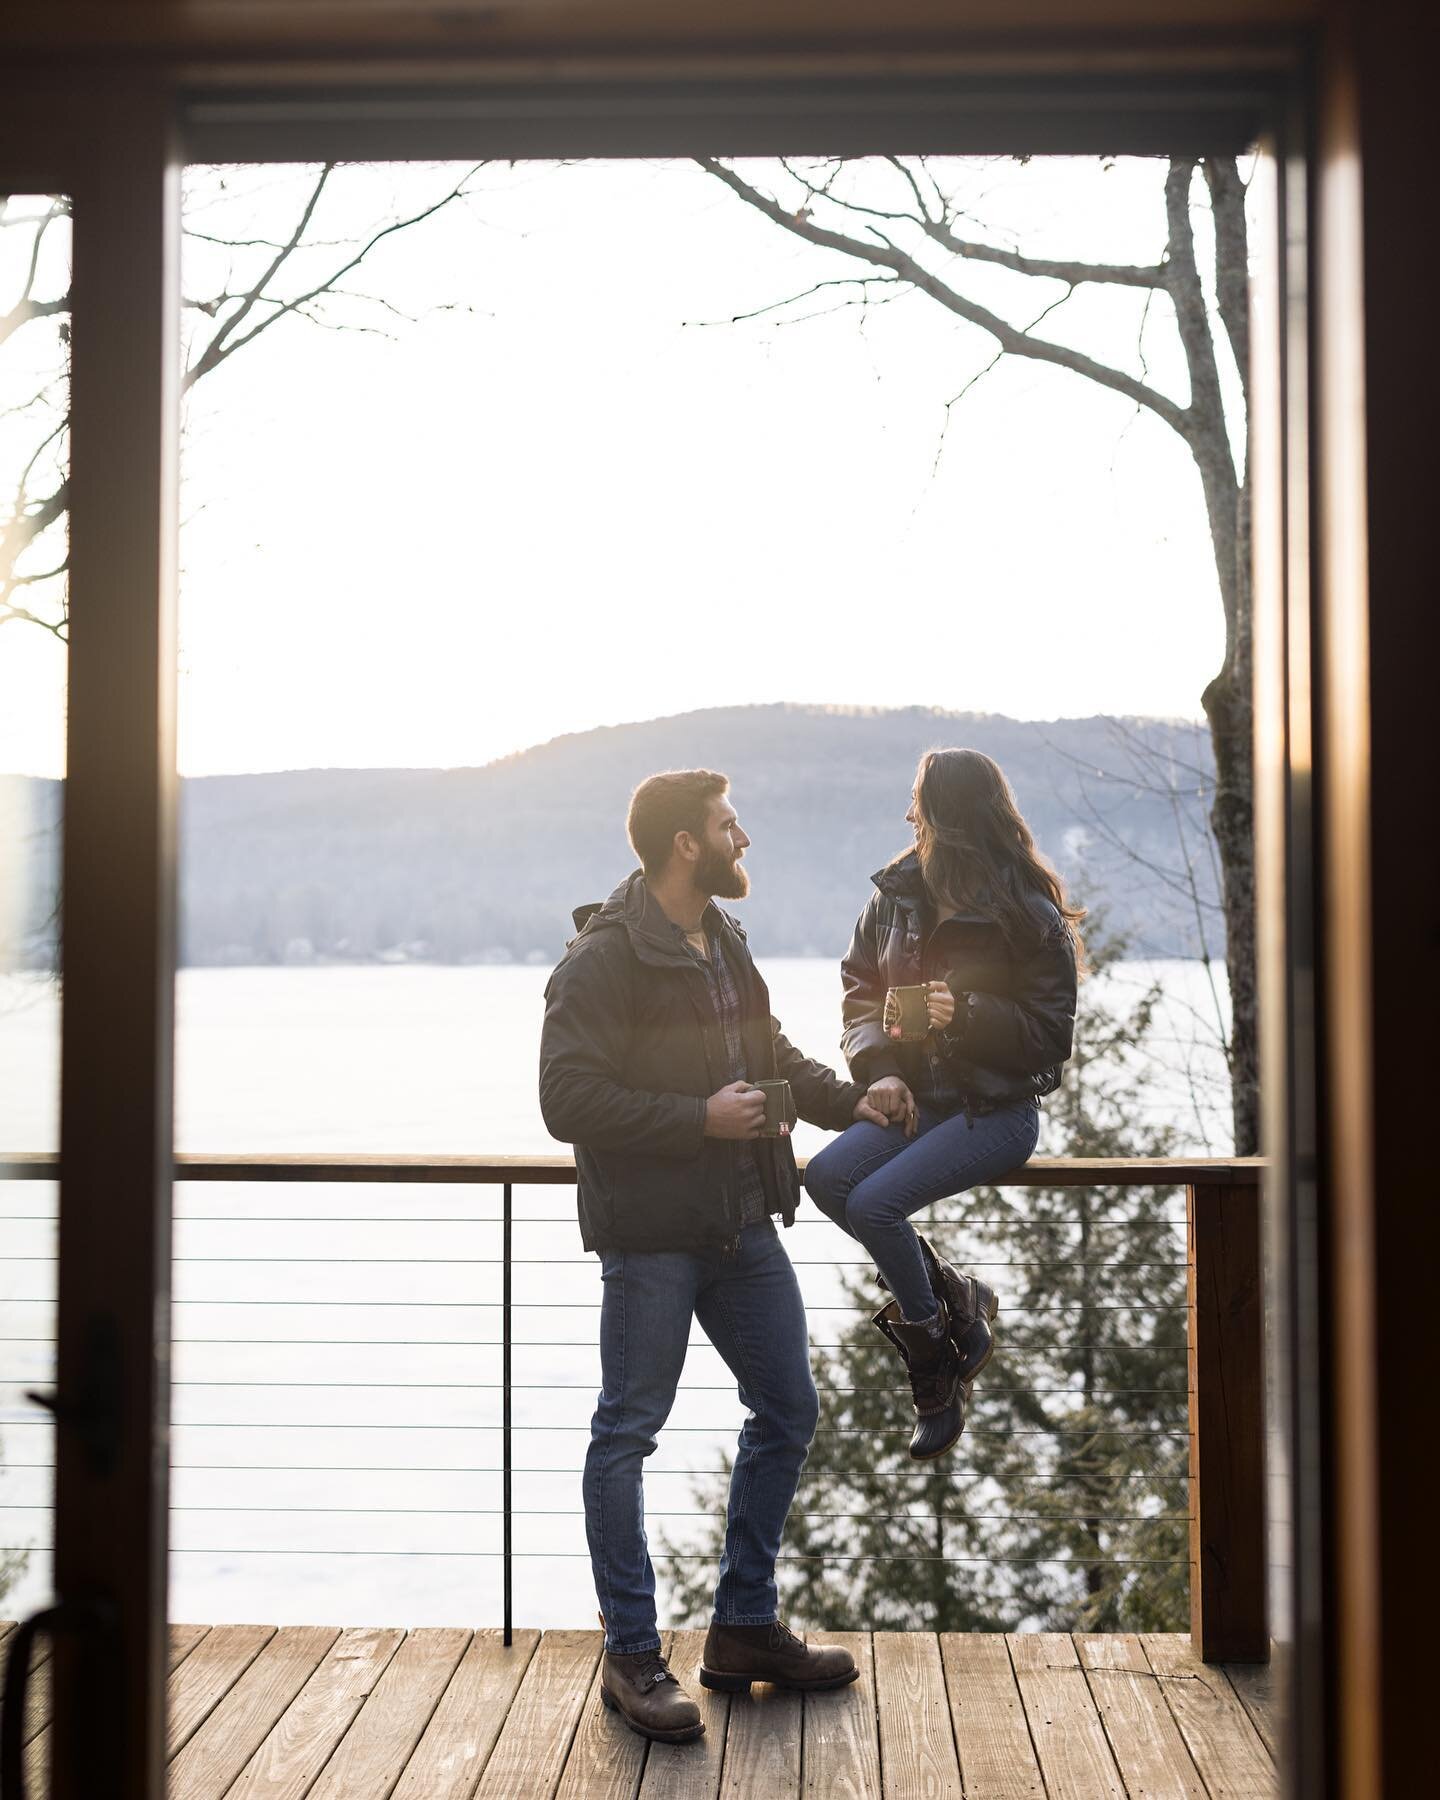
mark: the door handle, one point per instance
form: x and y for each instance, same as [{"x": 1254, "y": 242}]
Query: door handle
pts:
[
  {"x": 94, "y": 1411},
  {"x": 82, "y": 1616}
]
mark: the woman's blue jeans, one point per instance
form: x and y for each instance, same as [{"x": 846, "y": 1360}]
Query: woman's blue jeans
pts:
[
  {"x": 749, "y": 1307},
  {"x": 871, "y": 1178}
]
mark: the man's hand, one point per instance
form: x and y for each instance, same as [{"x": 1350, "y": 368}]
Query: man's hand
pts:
[
  {"x": 890, "y": 1097},
  {"x": 737, "y": 1111},
  {"x": 941, "y": 1003},
  {"x": 868, "y": 1112}
]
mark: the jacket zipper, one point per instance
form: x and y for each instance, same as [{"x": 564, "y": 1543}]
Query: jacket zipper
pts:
[{"x": 730, "y": 1249}]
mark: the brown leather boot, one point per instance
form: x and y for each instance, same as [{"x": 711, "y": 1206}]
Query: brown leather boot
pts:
[
  {"x": 933, "y": 1365},
  {"x": 972, "y": 1306},
  {"x": 649, "y": 1698},
  {"x": 736, "y": 1655}
]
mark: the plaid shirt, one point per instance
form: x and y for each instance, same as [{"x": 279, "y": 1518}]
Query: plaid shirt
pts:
[{"x": 725, "y": 998}]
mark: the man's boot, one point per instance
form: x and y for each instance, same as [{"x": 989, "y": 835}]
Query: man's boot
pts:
[
  {"x": 972, "y": 1307},
  {"x": 933, "y": 1365},
  {"x": 736, "y": 1655},
  {"x": 649, "y": 1698}
]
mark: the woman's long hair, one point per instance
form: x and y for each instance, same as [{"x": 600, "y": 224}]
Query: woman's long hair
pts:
[{"x": 977, "y": 853}]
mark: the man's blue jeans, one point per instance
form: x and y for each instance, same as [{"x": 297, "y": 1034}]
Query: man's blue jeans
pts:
[
  {"x": 871, "y": 1178},
  {"x": 749, "y": 1307}
]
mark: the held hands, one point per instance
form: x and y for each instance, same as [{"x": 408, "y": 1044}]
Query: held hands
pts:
[
  {"x": 893, "y": 1101},
  {"x": 736, "y": 1111}
]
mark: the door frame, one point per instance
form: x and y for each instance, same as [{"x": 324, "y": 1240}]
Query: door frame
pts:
[{"x": 116, "y": 143}]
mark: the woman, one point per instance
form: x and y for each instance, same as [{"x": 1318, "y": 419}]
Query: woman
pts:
[{"x": 972, "y": 912}]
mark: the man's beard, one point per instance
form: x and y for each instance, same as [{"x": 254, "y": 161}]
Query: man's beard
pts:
[{"x": 722, "y": 876}]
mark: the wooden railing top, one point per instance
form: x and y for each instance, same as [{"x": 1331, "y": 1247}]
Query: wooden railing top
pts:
[{"x": 538, "y": 1171}]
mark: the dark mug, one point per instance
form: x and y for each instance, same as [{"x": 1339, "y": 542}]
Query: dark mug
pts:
[
  {"x": 908, "y": 1011},
  {"x": 780, "y": 1112}
]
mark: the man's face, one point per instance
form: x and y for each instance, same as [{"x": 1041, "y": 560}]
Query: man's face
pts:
[{"x": 718, "y": 872}]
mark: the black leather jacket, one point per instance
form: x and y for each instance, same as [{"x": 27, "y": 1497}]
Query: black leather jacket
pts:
[
  {"x": 629, "y": 1052},
  {"x": 1014, "y": 1004}
]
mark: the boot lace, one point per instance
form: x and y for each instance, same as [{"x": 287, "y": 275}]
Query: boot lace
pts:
[
  {"x": 783, "y": 1638},
  {"x": 932, "y": 1384},
  {"x": 652, "y": 1671}
]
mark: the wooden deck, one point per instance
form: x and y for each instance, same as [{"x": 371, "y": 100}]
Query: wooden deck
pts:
[{"x": 259, "y": 1713}]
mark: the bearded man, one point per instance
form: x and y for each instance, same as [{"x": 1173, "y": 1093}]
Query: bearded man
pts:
[{"x": 657, "y": 1023}]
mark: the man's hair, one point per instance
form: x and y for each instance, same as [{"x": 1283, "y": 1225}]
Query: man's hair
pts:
[{"x": 676, "y": 800}]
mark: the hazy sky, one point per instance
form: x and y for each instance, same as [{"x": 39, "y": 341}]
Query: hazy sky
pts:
[{"x": 567, "y": 491}]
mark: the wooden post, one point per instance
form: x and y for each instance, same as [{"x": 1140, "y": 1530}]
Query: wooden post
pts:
[{"x": 1227, "y": 1426}]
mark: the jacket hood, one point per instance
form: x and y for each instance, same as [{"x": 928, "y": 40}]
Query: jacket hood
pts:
[{"x": 631, "y": 909}]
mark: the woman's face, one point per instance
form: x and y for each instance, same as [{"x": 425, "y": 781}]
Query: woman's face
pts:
[{"x": 912, "y": 812}]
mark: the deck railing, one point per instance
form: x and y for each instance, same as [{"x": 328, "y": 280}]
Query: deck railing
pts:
[{"x": 1223, "y": 1338}]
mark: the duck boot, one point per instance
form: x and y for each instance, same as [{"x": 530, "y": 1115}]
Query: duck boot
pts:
[
  {"x": 972, "y": 1307},
  {"x": 933, "y": 1365},
  {"x": 736, "y": 1655},
  {"x": 649, "y": 1698}
]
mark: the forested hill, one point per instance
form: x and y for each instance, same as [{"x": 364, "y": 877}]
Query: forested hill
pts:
[{"x": 486, "y": 864}]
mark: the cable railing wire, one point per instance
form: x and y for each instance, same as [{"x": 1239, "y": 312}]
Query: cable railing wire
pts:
[{"x": 1143, "y": 1484}]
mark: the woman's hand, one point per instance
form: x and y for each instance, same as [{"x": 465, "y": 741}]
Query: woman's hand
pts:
[
  {"x": 890, "y": 1096},
  {"x": 941, "y": 1004}
]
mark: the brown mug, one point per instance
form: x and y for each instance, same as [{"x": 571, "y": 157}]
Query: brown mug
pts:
[
  {"x": 908, "y": 1011},
  {"x": 780, "y": 1112}
]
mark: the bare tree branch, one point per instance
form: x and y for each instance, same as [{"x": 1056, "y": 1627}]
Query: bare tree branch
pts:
[
  {"x": 215, "y": 352},
  {"x": 1137, "y": 275},
  {"x": 224, "y": 345},
  {"x": 1012, "y": 339},
  {"x": 843, "y": 281},
  {"x": 22, "y": 531},
  {"x": 1227, "y": 206}
]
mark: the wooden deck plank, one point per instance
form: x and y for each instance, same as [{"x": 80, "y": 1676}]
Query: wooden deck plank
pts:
[
  {"x": 690, "y": 1771},
  {"x": 762, "y": 1745},
  {"x": 529, "y": 1755},
  {"x": 840, "y": 1754},
  {"x": 606, "y": 1757},
  {"x": 237, "y": 1727},
  {"x": 1144, "y": 1738},
  {"x": 1065, "y": 1728},
  {"x": 303, "y": 1738},
  {"x": 1224, "y": 1744},
  {"x": 207, "y": 1674},
  {"x": 454, "y": 1746},
  {"x": 183, "y": 1639},
  {"x": 1255, "y": 1684},
  {"x": 371, "y": 1756},
  {"x": 992, "y": 1738},
  {"x": 917, "y": 1745}
]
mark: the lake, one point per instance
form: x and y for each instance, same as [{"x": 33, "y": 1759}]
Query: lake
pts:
[{"x": 337, "y": 1362}]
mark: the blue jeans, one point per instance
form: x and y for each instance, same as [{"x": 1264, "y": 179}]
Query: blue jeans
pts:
[
  {"x": 871, "y": 1178},
  {"x": 749, "y": 1306}
]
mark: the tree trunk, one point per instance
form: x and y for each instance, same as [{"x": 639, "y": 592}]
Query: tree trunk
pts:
[
  {"x": 1228, "y": 700},
  {"x": 1229, "y": 707}
]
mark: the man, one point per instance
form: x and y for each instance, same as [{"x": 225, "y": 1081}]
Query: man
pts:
[{"x": 656, "y": 1024}]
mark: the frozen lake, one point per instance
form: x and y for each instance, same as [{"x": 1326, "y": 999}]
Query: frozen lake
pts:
[{"x": 337, "y": 1347}]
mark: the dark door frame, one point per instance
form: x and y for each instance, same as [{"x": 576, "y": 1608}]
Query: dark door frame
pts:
[{"x": 116, "y": 144}]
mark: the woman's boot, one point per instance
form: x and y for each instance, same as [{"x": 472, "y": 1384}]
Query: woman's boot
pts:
[
  {"x": 933, "y": 1365},
  {"x": 972, "y": 1307}
]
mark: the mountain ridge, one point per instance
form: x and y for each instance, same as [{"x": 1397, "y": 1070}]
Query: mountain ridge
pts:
[{"x": 485, "y": 863}]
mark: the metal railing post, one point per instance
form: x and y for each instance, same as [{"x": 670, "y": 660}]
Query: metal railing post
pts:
[{"x": 506, "y": 1310}]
